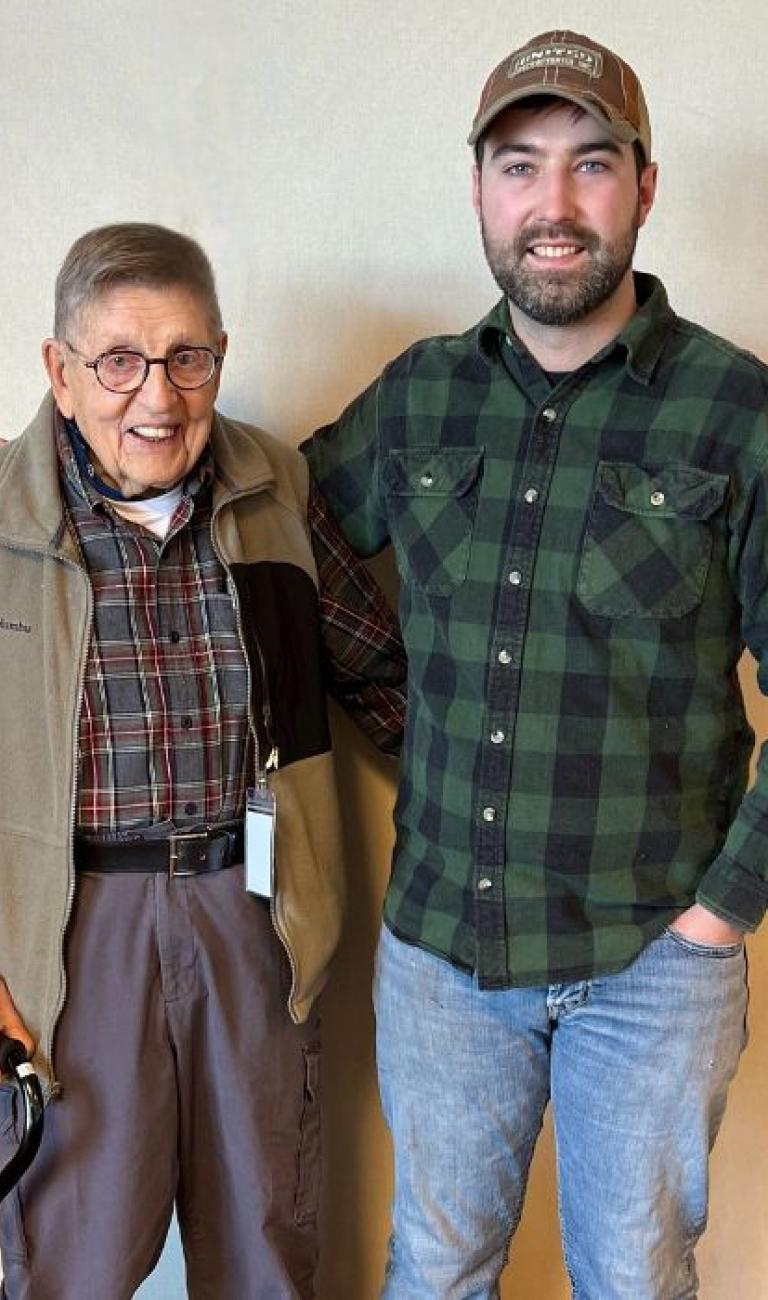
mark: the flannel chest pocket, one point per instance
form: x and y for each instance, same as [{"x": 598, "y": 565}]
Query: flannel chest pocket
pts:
[
  {"x": 648, "y": 542},
  {"x": 432, "y": 500}
]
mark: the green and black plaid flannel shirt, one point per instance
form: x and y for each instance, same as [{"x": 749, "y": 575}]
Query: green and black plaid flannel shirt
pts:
[{"x": 581, "y": 565}]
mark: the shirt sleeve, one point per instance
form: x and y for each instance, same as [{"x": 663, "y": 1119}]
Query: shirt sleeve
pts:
[
  {"x": 365, "y": 662},
  {"x": 735, "y": 886},
  {"x": 344, "y": 461}
]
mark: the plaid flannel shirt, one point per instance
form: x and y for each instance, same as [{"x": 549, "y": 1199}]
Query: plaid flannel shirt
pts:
[
  {"x": 581, "y": 565},
  {"x": 163, "y": 738}
]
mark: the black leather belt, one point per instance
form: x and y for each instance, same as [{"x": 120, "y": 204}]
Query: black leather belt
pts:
[{"x": 185, "y": 853}]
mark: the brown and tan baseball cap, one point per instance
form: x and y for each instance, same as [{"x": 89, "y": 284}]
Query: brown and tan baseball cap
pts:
[{"x": 571, "y": 67}]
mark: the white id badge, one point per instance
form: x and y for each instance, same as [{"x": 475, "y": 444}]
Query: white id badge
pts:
[{"x": 260, "y": 841}]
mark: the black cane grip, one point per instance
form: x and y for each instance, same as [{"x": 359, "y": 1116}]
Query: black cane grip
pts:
[
  {"x": 12, "y": 1054},
  {"x": 13, "y": 1063}
]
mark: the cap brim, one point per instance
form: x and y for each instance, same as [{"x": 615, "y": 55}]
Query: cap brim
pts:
[{"x": 621, "y": 131}]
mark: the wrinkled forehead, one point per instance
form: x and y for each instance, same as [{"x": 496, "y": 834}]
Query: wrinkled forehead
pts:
[{"x": 133, "y": 313}]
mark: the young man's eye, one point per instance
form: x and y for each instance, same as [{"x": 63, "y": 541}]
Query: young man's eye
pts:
[
  {"x": 518, "y": 169},
  {"x": 592, "y": 165}
]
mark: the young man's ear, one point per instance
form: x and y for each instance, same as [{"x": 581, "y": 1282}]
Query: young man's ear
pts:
[
  {"x": 477, "y": 181},
  {"x": 647, "y": 190}
]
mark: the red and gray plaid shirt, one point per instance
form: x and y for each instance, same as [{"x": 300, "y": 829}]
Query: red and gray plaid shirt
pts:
[{"x": 164, "y": 733}]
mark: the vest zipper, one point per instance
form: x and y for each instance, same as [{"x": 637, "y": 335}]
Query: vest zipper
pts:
[{"x": 271, "y": 761}]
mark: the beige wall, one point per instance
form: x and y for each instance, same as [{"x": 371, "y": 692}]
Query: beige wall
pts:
[{"x": 317, "y": 151}]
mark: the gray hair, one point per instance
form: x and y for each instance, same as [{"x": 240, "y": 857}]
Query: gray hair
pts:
[{"x": 137, "y": 253}]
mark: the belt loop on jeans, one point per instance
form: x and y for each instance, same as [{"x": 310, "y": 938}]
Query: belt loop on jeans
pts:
[{"x": 182, "y": 853}]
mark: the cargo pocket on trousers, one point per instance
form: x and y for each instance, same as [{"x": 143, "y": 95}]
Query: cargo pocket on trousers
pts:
[
  {"x": 309, "y": 1152},
  {"x": 13, "y": 1244}
]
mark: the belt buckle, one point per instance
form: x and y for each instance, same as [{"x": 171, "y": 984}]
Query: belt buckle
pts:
[{"x": 178, "y": 850}]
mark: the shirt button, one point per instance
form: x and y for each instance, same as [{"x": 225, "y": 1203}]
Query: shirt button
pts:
[
  {"x": 657, "y": 498},
  {"x": 515, "y": 577},
  {"x": 549, "y": 414},
  {"x": 497, "y": 737},
  {"x": 175, "y": 637},
  {"x": 531, "y": 495},
  {"x": 426, "y": 480},
  {"x": 186, "y": 722},
  {"x": 485, "y": 883},
  {"x": 505, "y": 657},
  {"x": 190, "y": 808},
  {"x": 489, "y": 814}
]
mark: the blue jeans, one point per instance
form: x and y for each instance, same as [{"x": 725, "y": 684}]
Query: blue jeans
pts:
[{"x": 637, "y": 1066}]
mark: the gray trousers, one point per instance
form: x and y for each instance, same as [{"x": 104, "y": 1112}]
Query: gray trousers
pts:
[{"x": 183, "y": 1082}]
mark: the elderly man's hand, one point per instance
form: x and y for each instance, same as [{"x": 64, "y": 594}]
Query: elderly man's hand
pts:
[{"x": 11, "y": 1022}]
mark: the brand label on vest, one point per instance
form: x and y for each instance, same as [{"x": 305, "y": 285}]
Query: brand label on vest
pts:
[{"x": 7, "y": 625}]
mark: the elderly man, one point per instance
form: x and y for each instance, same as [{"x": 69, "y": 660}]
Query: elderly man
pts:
[
  {"x": 164, "y": 645},
  {"x": 577, "y": 494}
]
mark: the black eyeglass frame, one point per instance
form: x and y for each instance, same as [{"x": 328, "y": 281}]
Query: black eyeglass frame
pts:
[{"x": 216, "y": 360}]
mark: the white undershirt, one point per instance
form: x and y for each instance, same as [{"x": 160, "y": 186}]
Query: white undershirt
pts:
[{"x": 154, "y": 513}]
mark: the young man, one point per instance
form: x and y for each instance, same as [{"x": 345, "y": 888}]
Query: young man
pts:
[{"x": 576, "y": 493}]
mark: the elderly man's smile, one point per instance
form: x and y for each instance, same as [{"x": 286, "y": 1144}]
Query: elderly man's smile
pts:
[{"x": 154, "y": 432}]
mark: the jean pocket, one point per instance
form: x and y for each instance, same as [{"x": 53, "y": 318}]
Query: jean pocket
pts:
[
  {"x": 648, "y": 542},
  {"x": 432, "y": 495},
  {"x": 704, "y": 949},
  {"x": 309, "y": 1153}
]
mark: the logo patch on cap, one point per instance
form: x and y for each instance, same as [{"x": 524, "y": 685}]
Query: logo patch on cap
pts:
[{"x": 557, "y": 55}]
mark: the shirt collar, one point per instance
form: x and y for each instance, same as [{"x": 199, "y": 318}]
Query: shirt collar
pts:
[{"x": 642, "y": 340}]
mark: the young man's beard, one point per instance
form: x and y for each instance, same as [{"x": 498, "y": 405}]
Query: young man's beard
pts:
[{"x": 562, "y": 297}]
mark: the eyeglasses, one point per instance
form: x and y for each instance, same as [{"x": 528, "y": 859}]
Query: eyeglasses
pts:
[{"x": 124, "y": 371}]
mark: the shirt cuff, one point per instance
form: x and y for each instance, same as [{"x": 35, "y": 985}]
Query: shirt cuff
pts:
[{"x": 733, "y": 893}]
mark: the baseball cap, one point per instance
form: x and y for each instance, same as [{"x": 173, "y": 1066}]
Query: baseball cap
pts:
[{"x": 570, "y": 67}]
